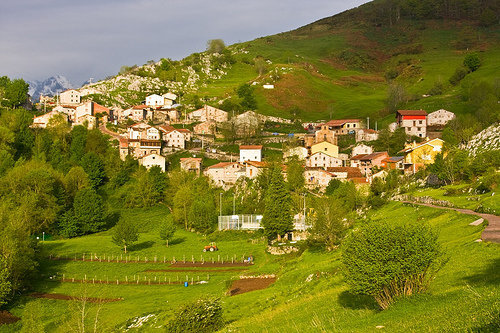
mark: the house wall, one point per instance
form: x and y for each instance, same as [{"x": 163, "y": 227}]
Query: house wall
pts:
[
  {"x": 153, "y": 160},
  {"x": 175, "y": 139},
  {"x": 250, "y": 155},
  {"x": 326, "y": 148},
  {"x": 362, "y": 149},
  {"x": 323, "y": 161},
  {"x": 155, "y": 100},
  {"x": 70, "y": 97},
  {"x": 439, "y": 117},
  {"x": 325, "y": 134},
  {"x": 414, "y": 125}
]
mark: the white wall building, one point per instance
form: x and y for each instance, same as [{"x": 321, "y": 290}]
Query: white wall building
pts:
[
  {"x": 250, "y": 153},
  {"x": 322, "y": 160},
  {"x": 361, "y": 149},
  {"x": 70, "y": 96},
  {"x": 151, "y": 160},
  {"x": 439, "y": 117}
]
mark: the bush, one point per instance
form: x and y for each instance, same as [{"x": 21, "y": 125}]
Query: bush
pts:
[
  {"x": 472, "y": 62},
  {"x": 459, "y": 74},
  {"x": 386, "y": 261},
  {"x": 437, "y": 89},
  {"x": 202, "y": 316}
]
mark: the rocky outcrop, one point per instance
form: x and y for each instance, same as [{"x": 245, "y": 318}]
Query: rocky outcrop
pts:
[
  {"x": 423, "y": 199},
  {"x": 486, "y": 140}
]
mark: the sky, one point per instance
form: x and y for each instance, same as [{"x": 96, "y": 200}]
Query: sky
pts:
[{"x": 82, "y": 39}]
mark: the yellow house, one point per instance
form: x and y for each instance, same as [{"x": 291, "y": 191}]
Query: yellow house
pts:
[
  {"x": 418, "y": 155},
  {"x": 326, "y": 148}
]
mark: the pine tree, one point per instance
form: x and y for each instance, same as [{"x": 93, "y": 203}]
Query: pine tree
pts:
[{"x": 277, "y": 220}]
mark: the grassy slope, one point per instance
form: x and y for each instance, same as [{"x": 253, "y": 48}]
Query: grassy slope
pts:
[
  {"x": 489, "y": 200},
  {"x": 312, "y": 78},
  {"x": 464, "y": 295},
  {"x": 309, "y": 292}
]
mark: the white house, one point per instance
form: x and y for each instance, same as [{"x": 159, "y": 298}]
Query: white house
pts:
[
  {"x": 300, "y": 152},
  {"x": 153, "y": 159},
  {"x": 166, "y": 100},
  {"x": 362, "y": 149},
  {"x": 155, "y": 100},
  {"x": 70, "y": 97},
  {"x": 86, "y": 119},
  {"x": 317, "y": 177},
  {"x": 323, "y": 160},
  {"x": 253, "y": 168},
  {"x": 68, "y": 110},
  {"x": 251, "y": 153},
  {"x": 135, "y": 131},
  {"x": 225, "y": 174},
  {"x": 43, "y": 120},
  {"x": 439, "y": 117},
  {"x": 413, "y": 121},
  {"x": 175, "y": 137},
  {"x": 208, "y": 112}
]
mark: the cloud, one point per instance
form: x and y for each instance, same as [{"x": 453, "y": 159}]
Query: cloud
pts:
[{"x": 93, "y": 38}]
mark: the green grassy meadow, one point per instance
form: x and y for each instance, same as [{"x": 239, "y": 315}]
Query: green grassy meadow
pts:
[
  {"x": 309, "y": 295},
  {"x": 488, "y": 201}
]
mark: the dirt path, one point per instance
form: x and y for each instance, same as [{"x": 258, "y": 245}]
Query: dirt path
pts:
[
  {"x": 7, "y": 318},
  {"x": 246, "y": 285},
  {"x": 490, "y": 234},
  {"x": 113, "y": 135},
  {"x": 75, "y": 298}
]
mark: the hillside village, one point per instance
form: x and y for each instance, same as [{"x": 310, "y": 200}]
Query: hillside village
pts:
[{"x": 152, "y": 136}]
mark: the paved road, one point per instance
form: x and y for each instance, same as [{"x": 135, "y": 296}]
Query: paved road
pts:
[{"x": 491, "y": 233}]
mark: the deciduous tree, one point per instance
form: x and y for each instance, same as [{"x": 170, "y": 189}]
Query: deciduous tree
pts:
[{"x": 125, "y": 234}]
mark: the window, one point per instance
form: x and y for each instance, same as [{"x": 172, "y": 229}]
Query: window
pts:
[{"x": 326, "y": 149}]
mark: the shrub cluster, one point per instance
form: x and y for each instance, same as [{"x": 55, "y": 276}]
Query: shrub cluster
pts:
[
  {"x": 387, "y": 261},
  {"x": 202, "y": 316}
]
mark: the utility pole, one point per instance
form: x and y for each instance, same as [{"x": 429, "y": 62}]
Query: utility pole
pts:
[
  {"x": 220, "y": 204},
  {"x": 234, "y": 204},
  {"x": 368, "y": 122},
  {"x": 305, "y": 207}
]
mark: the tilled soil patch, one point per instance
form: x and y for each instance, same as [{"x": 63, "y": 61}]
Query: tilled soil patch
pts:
[
  {"x": 73, "y": 298},
  {"x": 210, "y": 264},
  {"x": 195, "y": 270},
  {"x": 246, "y": 285},
  {"x": 7, "y": 318}
]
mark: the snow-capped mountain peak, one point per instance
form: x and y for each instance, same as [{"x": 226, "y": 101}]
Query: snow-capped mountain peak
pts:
[{"x": 48, "y": 87}]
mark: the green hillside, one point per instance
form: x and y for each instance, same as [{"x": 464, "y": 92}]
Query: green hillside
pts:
[{"x": 342, "y": 66}]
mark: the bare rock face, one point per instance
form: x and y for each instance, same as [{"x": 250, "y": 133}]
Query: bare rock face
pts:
[{"x": 487, "y": 140}]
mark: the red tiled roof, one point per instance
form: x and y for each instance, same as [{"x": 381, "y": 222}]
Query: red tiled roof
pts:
[
  {"x": 359, "y": 180},
  {"x": 221, "y": 165},
  {"x": 412, "y": 112},
  {"x": 368, "y": 157},
  {"x": 138, "y": 107},
  {"x": 352, "y": 172},
  {"x": 123, "y": 142},
  {"x": 166, "y": 128},
  {"x": 340, "y": 122},
  {"x": 197, "y": 159},
  {"x": 369, "y": 130},
  {"x": 251, "y": 147}
]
